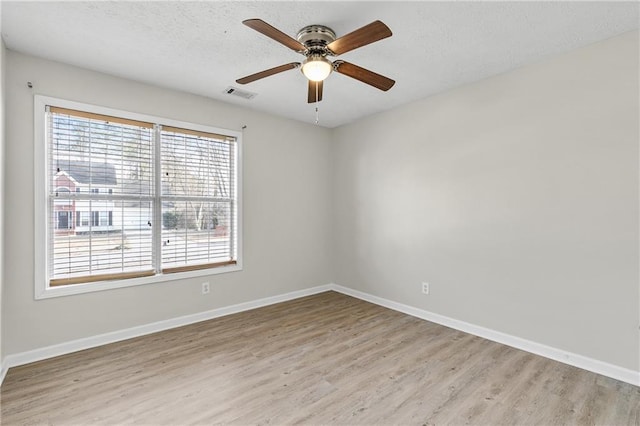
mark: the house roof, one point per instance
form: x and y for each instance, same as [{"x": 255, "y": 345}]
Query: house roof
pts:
[{"x": 86, "y": 172}]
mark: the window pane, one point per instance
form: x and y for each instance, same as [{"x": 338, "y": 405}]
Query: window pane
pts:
[
  {"x": 197, "y": 166},
  {"x": 100, "y": 173},
  {"x": 111, "y": 251},
  {"x": 100, "y": 157},
  {"x": 196, "y": 233},
  {"x": 198, "y": 199}
]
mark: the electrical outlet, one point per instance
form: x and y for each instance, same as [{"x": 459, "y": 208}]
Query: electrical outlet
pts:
[
  {"x": 205, "y": 287},
  {"x": 425, "y": 288}
]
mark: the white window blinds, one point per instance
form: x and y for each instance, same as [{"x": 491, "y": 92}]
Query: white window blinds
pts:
[
  {"x": 111, "y": 179},
  {"x": 198, "y": 199}
]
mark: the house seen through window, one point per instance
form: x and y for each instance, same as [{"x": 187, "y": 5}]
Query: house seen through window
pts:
[{"x": 129, "y": 198}]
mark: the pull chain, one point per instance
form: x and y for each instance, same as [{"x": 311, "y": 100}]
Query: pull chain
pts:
[{"x": 317, "y": 114}]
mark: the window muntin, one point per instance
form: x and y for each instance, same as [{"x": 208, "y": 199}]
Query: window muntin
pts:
[{"x": 115, "y": 198}]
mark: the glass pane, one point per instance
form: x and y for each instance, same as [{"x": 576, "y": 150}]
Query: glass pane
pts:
[
  {"x": 198, "y": 188},
  {"x": 100, "y": 176},
  {"x": 196, "y": 166},
  {"x": 105, "y": 249},
  {"x": 195, "y": 233},
  {"x": 90, "y": 156}
]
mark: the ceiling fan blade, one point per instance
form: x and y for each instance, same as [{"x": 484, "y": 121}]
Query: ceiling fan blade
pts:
[
  {"x": 313, "y": 94},
  {"x": 361, "y": 37},
  {"x": 376, "y": 80},
  {"x": 274, "y": 33},
  {"x": 267, "y": 73}
]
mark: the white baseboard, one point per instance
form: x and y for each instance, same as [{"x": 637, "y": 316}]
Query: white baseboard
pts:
[
  {"x": 116, "y": 336},
  {"x": 576, "y": 360},
  {"x": 3, "y": 371}
]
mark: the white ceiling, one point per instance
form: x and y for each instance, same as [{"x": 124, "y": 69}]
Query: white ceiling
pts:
[{"x": 202, "y": 47}]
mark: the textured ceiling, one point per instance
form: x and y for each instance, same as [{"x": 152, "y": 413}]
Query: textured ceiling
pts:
[{"x": 202, "y": 47}]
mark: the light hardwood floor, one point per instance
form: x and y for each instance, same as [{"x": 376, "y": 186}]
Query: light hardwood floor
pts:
[{"x": 322, "y": 359}]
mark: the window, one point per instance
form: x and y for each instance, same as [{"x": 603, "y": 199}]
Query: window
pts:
[
  {"x": 84, "y": 218},
  {"x": 152, "y": 199},
  {"x": 94, "y": 221}
]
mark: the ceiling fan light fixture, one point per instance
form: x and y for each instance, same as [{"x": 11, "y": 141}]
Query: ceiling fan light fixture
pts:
[
  {"x": 315, "y": 42},
  {"x": 317, "y": 68}
]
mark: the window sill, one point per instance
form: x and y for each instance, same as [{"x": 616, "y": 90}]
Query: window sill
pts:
[{"x": 43, "y": 291}]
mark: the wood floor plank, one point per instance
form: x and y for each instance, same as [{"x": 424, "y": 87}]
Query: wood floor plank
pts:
[{"x": 322, "y": 359}]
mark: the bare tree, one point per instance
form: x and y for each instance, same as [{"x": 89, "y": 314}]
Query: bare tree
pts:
[{"x": 196, "y": 167}]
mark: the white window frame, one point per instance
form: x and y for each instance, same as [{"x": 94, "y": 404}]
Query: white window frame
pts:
[{"x": 42, "y": 290}]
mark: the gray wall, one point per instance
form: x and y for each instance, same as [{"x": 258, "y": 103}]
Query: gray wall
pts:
[
  {"x": 516, "y": 198},
  {"x": 286, "y": 209}
]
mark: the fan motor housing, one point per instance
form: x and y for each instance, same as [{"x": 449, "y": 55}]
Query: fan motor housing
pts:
[{"x": 316, "y": 36}]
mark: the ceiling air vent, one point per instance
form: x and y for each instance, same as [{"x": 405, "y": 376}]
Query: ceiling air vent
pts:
[{"x": 241, "y": 93}]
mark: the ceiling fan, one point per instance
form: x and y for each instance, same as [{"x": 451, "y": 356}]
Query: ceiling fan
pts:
[{"x": 316, "y": 42}]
